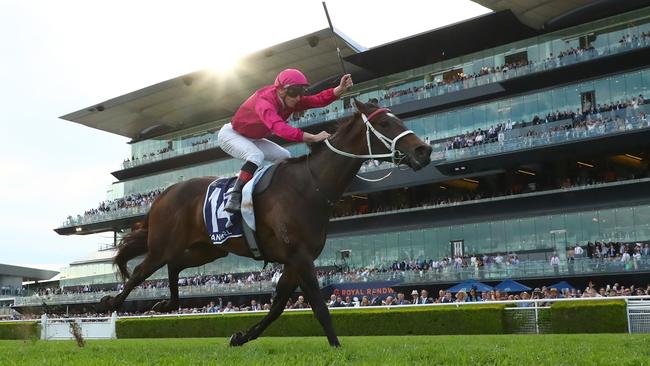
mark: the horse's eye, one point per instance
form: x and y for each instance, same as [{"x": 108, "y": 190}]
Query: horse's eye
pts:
[{"x": 383, "y": 123}]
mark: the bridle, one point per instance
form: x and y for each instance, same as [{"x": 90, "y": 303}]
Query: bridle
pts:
[{"x": 395, "y": 155}]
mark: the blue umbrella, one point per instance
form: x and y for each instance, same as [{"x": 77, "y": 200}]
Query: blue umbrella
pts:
[
  {"x": 511, "y": 286},
  {"x": 468, "y": 284},
  {"x": 562, "y": 285}
]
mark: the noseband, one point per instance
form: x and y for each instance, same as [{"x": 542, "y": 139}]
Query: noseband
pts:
[{"x": 395, "y": 155}]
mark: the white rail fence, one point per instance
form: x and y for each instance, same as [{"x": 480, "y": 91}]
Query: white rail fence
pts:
[
  {"x": 638, "y": 315},
  {"x": 91, "y": 328}
]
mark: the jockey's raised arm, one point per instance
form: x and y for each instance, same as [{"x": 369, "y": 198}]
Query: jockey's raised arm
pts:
[{"x": 264, "y": 114}]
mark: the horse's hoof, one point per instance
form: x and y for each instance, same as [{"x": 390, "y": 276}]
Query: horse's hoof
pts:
[{"x": 236, "y": 339}]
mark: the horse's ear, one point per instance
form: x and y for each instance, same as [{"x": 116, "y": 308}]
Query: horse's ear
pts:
[{"x": 360, "y": 106}]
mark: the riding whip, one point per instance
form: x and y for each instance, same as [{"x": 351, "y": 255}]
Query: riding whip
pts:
[{"x": 338, "y": 50}]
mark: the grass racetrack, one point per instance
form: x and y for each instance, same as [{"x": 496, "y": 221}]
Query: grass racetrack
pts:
[{"x": 578, "y": 349}]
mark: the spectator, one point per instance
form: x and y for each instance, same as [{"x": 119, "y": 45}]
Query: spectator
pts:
[
  {"x": 301, "y": 304},
  {"x": 365, "y": 301},
  {"x": 447, "y": 298},
  {"x": 255, "y": 306},
  {"x": 401, "y": 300},
  {"x": 415, "y": 295},
  {"x": 389, "y": 301},
  {"x": 473, "y": 296},
  {"x": 555, "y": 263},
  {"x": 424, "y": 298},
  {"x": 461, "y": 296}
]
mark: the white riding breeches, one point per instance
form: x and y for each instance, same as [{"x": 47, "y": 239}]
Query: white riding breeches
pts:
[{"x": 253, "y": 150}]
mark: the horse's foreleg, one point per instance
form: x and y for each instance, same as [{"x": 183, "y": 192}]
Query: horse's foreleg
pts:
[
  {"x": 141, "y": 272},
  {"x": 309, "y": 284},
  {"x": 286, "y": 285}
]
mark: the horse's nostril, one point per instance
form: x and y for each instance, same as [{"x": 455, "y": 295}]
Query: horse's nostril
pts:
[{"x": 423, "y": 151}]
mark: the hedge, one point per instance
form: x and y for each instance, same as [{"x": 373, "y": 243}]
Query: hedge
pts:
[
  {"x": 608, "y": 316},
  {"x": 470, "y": 319},
  {"x": 19, "y": 330}
]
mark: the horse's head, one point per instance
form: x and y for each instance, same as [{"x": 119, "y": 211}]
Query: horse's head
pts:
[{"x": 393, "y": 138}]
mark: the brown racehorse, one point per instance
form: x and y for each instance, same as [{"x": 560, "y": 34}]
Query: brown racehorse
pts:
[{"x": 292, "y": 217}]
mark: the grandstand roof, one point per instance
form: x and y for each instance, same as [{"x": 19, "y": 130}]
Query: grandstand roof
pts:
[
  {"x": 555, "y": 14},
  {"x": 205, "y": 96},
  {"x": 27, "y": 273},
  {"x": 443, "y": 43}
]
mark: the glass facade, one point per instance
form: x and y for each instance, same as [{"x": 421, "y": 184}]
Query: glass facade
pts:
[
  {"x": 534, "y": 239},
  {"x": 542, "y": 234},
  {"x": 539, "y": 235},
  {"x": 524, "y": 108}
]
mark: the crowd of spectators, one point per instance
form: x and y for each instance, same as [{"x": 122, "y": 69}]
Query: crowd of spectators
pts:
[
  {"x": 600, "y": 252},
  {"x": 399, "y": 298},
  {"x": 129, "y": 201},
  {"x": 207, "y": 280},
  {"x": 473, "y": 295},
  {"x": 193, "y": 142},
  {"x": 456, "y": 81},
  {"x": 451, "y": 196},
  {"x": 634, "y": 40},
  {"x": 590, "y": 118},
  {"x": 135, "y": 159},
  {"x": 627, "y": 253},
  {"x": 10, "y": 290}
]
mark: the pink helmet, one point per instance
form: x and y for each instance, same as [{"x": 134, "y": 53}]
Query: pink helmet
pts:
[{"x": 290, "y": 77}]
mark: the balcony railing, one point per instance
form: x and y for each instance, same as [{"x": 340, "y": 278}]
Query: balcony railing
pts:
[
  {"x": 547, "y": 138},
  {"x": 498, "y": 272},
  {"x": 148, "y": 294},
  {"x": 106, "y": 216}
]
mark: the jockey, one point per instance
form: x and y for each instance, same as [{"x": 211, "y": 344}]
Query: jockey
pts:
[{"x": 264, "y": 114}]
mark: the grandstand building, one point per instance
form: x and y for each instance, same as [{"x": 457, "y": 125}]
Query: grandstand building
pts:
[
  {"x": 11, "y": 284},
  {"x": 537, "y": 114}
]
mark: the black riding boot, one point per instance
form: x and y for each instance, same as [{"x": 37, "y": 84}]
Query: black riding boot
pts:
[{"x": 234, "y": 203}]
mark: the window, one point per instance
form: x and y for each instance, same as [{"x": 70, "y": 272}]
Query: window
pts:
[{"x": 517, "y": 58}]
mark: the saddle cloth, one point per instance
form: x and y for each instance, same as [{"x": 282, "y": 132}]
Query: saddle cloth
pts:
[{"x": 221, "y": 224}]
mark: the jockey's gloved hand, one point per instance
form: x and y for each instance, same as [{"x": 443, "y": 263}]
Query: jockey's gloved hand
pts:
[
  {"x": 345, "y": 85},
  {"x": 308, "y": 137}
]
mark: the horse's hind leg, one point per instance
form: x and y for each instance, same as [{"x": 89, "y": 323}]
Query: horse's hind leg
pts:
[
  {"x": 141, "y": 272},
  {"x": 165, "y": 306},
  {"x": 286, "y": 285},
  {"x": 198, "y": 254}
]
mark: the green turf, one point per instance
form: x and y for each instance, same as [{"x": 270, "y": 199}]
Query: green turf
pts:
[{"x": 579, "y": 349}]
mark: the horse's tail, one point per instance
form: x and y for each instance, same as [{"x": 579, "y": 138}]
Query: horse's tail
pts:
[{"x": 132, "y": 245}]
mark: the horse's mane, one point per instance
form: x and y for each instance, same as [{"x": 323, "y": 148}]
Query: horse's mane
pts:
[{"x": 343, "y": 125}]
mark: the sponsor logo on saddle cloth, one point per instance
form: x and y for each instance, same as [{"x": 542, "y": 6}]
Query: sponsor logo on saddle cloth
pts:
[{"x": 221, "y": 224}]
